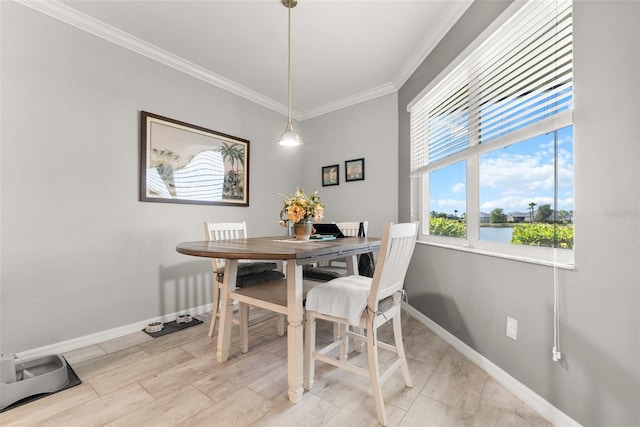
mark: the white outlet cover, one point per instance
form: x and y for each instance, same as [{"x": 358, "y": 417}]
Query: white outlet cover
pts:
[{"x": 512, "y": 328}]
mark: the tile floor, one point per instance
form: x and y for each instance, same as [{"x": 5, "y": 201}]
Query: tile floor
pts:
[{"x": 175, "y": 380}]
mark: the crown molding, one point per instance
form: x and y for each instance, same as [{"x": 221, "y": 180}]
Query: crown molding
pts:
[
  {"x": 454, "y": 11},
  {"x": 77, "y": 19},
  {"x": 98, "y": 28},
  {"x": 349, "y": 101}
]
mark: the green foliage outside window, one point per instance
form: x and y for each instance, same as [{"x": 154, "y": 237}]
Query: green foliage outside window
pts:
[
  {"x": 543, "y": 235},
  {"x": 447, "y": 227},
  {"x": 498, "y": 216},
  {"x": 544, "y": 213},
  {"x": 538, "y": 234}
]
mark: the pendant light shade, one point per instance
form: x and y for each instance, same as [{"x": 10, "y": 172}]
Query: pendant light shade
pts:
[{"x": 289, "y": 138}]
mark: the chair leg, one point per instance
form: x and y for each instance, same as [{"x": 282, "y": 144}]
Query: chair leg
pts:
[
  {"x": 281, "y": 323},
  {"x": 216, "y": 303},
  {"x": 397, "y": 336},
  {"x": 336, "y": 331},
  {"x": 360, "y": 345},
  {"x": 374, "y": 370},
  {"x": 243, "y": 315},
  {"x": 344, "y": 341},
  {"x": 309, "y": 349}
]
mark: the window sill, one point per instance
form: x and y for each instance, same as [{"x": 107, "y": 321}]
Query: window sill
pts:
[{"x": 512, "y": 257}]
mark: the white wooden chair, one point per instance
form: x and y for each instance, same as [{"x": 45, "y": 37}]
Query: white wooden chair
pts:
[
  {"x": 351, "y": 228},
  {"x": 334, "y": 268},
  {"x": 249, "y": 273},
  {"x": 328, "y": 270},
  {"x": 368, "y": 303}
]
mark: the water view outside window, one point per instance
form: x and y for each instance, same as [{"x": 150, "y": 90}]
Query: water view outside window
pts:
[{"x": 526, "y": 192}]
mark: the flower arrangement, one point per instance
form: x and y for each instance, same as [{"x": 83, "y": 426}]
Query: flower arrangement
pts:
[{"x": 300, "y": 206}]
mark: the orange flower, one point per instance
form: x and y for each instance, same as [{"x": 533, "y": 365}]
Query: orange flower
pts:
[{"x": 300, "y": 206}]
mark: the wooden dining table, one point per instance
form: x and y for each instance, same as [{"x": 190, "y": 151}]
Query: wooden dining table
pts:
[{"x": 295, "y": 254}]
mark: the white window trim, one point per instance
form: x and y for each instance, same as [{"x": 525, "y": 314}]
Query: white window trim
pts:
[{"x": 559, "y": 258}]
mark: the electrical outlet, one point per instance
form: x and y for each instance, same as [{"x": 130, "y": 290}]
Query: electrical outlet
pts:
[{"x": 512, "y": 328}]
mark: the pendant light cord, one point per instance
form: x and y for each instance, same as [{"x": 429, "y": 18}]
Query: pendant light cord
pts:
[
  {"x": 289, "y": 137},
  {"x": 289, "y": 62}
]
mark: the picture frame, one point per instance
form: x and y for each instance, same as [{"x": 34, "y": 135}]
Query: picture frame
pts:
[
  {"x": 330, "y": 175},
  {"x": 185, "y": 163},
  {"x": 354, "y": 170}
]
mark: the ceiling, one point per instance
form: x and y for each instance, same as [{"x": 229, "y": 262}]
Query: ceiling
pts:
[{"x": 343, "y": 52}]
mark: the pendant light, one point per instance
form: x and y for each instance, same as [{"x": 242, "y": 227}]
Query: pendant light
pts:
[{"x": 289, "y": 137}]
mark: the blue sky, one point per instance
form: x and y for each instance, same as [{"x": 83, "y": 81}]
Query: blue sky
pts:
[{"x": 511, "y": 177}]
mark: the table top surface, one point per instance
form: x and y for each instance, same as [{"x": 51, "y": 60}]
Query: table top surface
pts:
[{"x": 280, "y": 247}]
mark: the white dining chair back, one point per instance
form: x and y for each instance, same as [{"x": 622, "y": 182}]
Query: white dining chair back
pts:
[
  {"x": 365, "y": 303},
  {"x": 351, "y": 228},
  {"x": 215, "y": 231},
  {"x": 393, "y": 261},
  {"x": 223, "y": 231}
]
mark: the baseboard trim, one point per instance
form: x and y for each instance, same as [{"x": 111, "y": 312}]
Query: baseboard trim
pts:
[
  {"x": 87, "y": 340},
  {"x": 528, "y": 396}
]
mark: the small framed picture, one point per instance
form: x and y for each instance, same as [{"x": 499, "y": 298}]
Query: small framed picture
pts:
[
  {"x": 330, "y": 175},
  {"x": 355, "y": 170}
]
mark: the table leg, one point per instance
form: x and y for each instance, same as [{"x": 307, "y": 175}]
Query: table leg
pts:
[
  {"x": 295, "y": 338},
  {"x": 226, "y": 309}
]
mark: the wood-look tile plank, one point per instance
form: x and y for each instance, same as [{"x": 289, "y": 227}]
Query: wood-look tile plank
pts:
[
  {"x": 426, "y": 412},
  {"x": 170, "y": 410},
  {"x": 108, "y": 362},
  {"x": 131, "y": 373},
  {"x": 311, "y": 411},
  {"x": 238, "y": 374},
  {"x": 103, "y": 410},
  {"x": 83, "y": 354},
  {"x": 397, "y": 393},
  {"x": 201, "y": 345},
  {"x": 361, "y": 412},
  {"x": 263, "y": 335},
  {"x": 31, "y": 413},
  {"x": 456, "y": 382},
  {"x": 338, "y": 386},
  {"x": 181, "y": 375},
  {"x": 272, "y": 384},
  {"x": 499, "y": 407},
  {"x": 240, "y": 408},
  {"x": 117, "y": 344},
  {"x": 425, "y": 346}
]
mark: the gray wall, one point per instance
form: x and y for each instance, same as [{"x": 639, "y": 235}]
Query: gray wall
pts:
[
  {"x": 80, "y": 255},
  {"x": 370, "y": 131},
  {"x": 598, "y": 380}
]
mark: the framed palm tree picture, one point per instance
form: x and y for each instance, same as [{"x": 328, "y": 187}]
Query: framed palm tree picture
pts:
[{"x": 185, "y": 163}]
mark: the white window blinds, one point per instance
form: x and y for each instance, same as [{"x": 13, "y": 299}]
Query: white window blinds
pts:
[{"x": 520, "y": 75}]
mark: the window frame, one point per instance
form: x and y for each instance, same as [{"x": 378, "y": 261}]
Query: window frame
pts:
[{"x": 419, "y": 179}]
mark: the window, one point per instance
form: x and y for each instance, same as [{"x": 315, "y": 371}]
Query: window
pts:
[
  {"x": 448, "y": 200},
  {"x": 492, "y": 141}
]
